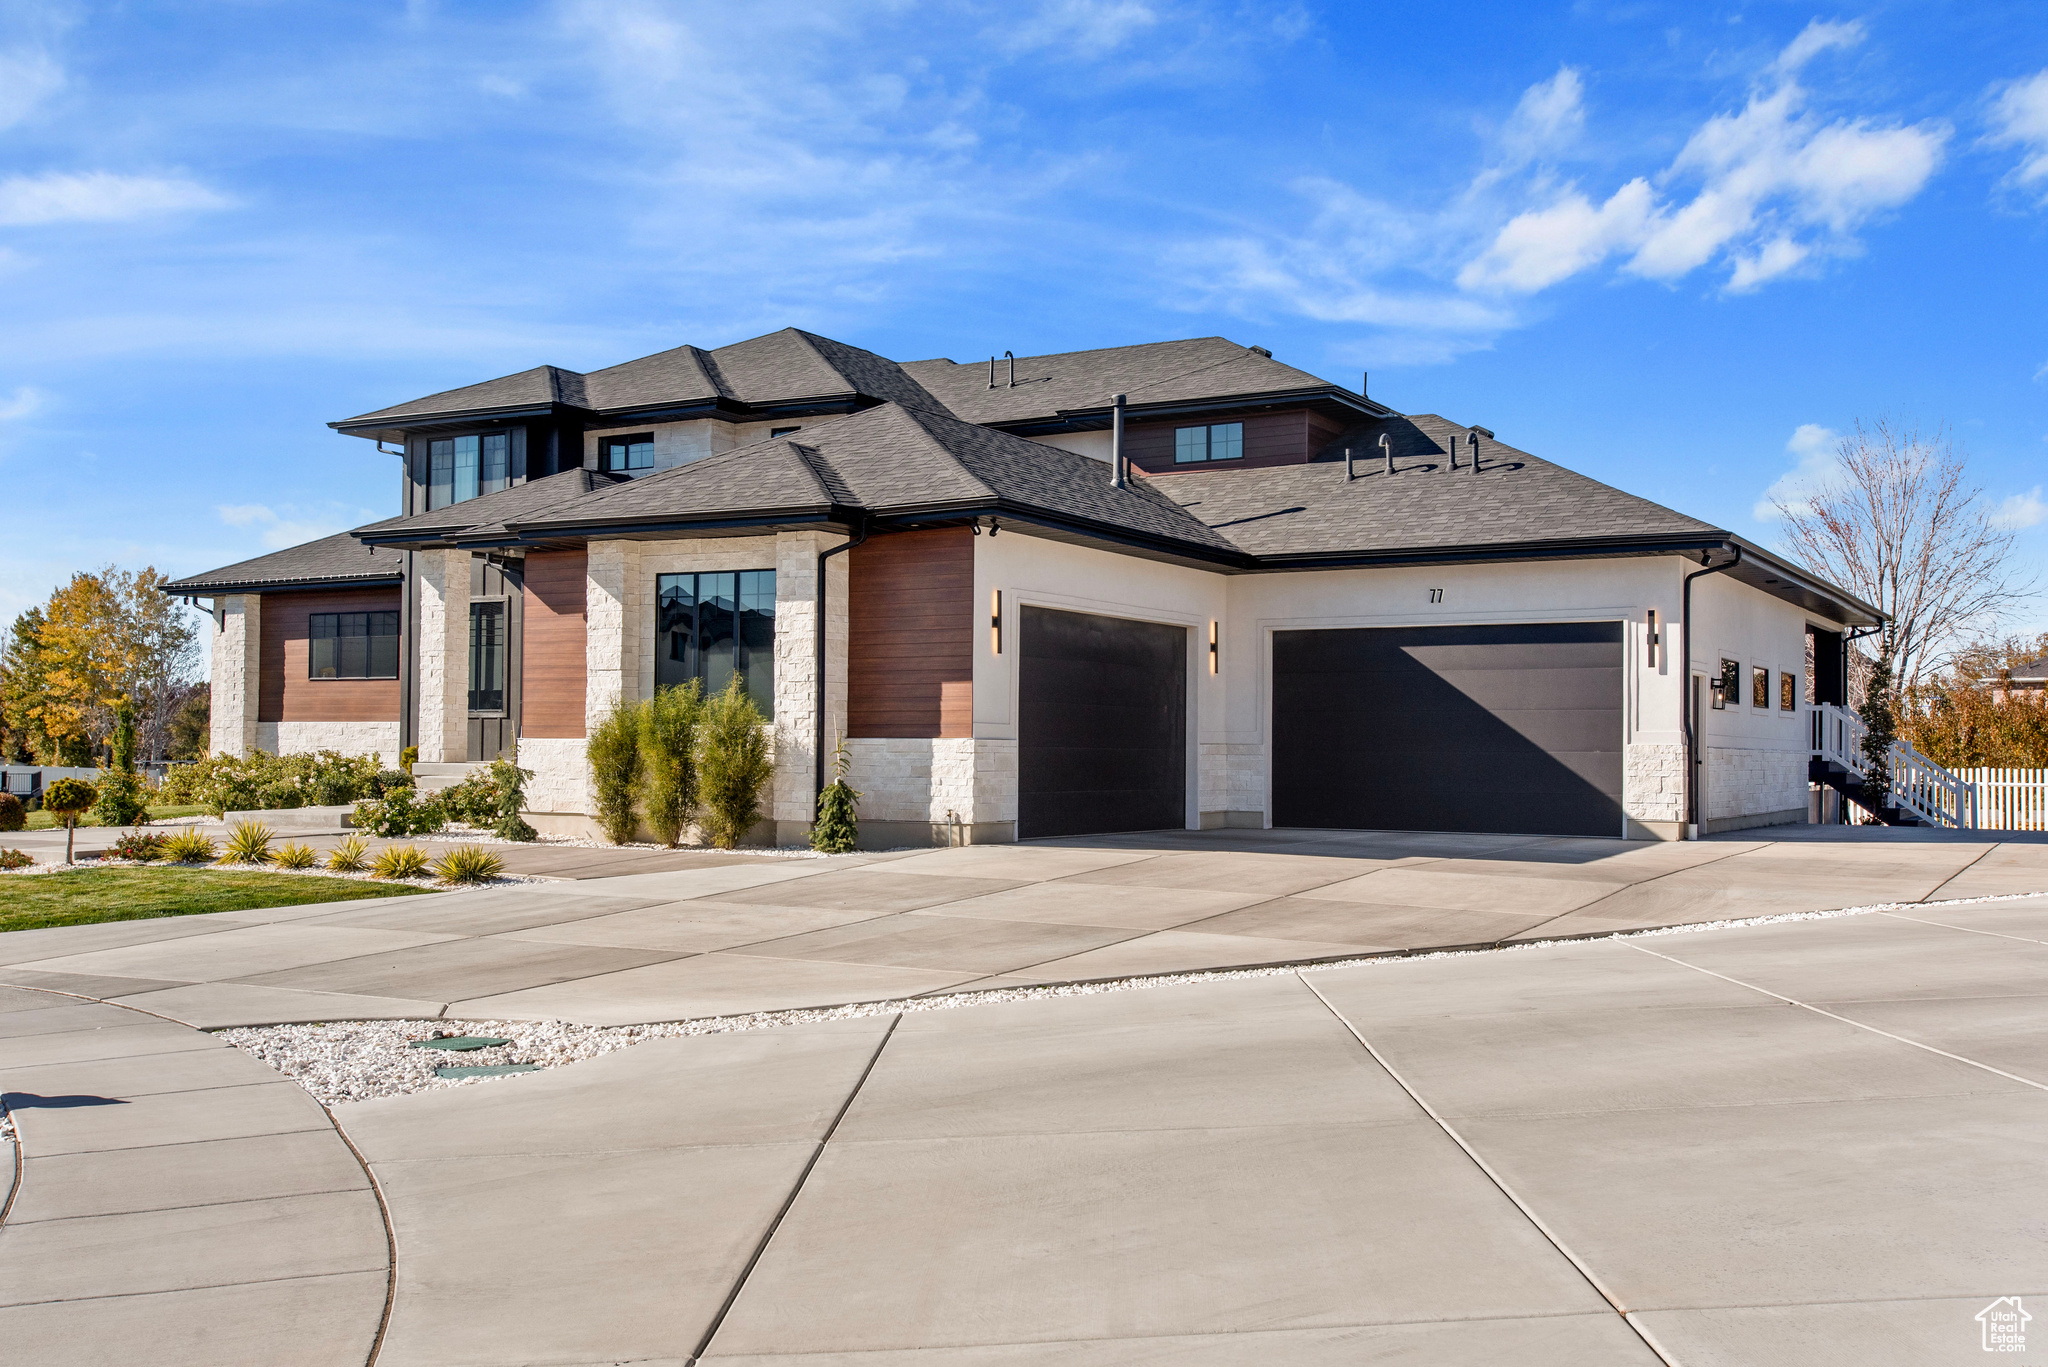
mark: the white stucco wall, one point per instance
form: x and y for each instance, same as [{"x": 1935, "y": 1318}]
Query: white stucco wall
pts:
[
  {"x": 237, "y": 668},
  {"x": 1756, "y": 757}
]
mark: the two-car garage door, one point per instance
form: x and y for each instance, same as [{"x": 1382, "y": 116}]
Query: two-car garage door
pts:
[{"x": 1477, "y": 728}]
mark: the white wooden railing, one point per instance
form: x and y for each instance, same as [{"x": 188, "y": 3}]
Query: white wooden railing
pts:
[
  {"x": 2009, "y": 799},
  {"x": 1918, "y": 785}
]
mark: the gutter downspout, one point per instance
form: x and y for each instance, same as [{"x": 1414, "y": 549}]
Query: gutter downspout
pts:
[
  {"x": 818, "y": 736},
  {"x": 1692, "y": 792}
]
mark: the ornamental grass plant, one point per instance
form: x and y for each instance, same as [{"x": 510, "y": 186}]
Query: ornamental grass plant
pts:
[
  {"x": 468, "y": 864},
  {"x": 296, "y": 855},
  {"x": 189, "y": 847},
  {"x": 352, "y": 855},
  {"x": 248, "y": 843},
  {"x": 400, "y": 861}
]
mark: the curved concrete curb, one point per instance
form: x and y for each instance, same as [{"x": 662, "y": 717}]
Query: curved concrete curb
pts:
[{"x": 178, "y": 1201}]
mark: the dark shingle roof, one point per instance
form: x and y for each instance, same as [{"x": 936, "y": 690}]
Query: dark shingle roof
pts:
[
  {"x": 1200, "y": 368},
  {"x": 490, "y": 510},
  {"x": 1515, "y": 499},
  {"x": 544, "y": 384},
  {"x": 337, "y": 559}
]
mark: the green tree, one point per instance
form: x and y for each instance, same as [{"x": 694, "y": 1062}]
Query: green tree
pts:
[
  {"x": 732, "y": 765},
  {"x": 836, "y": 831},
  {"x": 191, "y": 727},
  {"x": 24, "y": 687}
]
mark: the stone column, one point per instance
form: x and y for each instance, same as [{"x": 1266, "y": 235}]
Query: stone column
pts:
[
  {"x": 796, "y": 674},
  {"x": 612, "y": 624},
  {"x": 443, "y": 684},
  {"x": 237, "y": 674}
]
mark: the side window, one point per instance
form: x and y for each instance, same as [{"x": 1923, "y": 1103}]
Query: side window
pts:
[
  {"x": 1190, "y": 444},
  {"x": 1226, "y": 441},
  {"x": 623, "y": 455},
  {"x": 1218, "y": 441},
  {"x": 1727, "y": 688},
  {"x": 352, "y": 645},
  {"x": 1759, "y": 687}
]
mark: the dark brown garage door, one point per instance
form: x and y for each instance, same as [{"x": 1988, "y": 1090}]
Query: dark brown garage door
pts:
[
  {"x": 1102, "y": 725},
  {"x": 1484, "y": 728}
]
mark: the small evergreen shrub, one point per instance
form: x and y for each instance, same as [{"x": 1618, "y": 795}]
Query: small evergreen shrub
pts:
[
  {"x": 189, "y": 847},
  {"x": 141, "y": 848},
  {"x": 400, "y": 861},
  {"x": 668, "y": 758},
  {"x": 296, "y": 856},
  {"x": 248, "y": 843},
  {"x": 15, "y": 859},
  {"x": 468, "y": 864},
  {"x": 510, "y": 781},
  {"x": 733, "y": 766},
  {"x": 400, "y": 814},
  {"x": 836, "y": 831},
  {"x": 614, "y": 750},
  {"x": 13, "y": 815},
  {"x": 120, "y": 800},
  {"x": 66, "y": 798},
  {"x": 352, "y": 855}
]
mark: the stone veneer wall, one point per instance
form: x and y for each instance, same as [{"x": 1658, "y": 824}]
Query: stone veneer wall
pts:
[
  {"x": 1754, "y": 787},
  {"x": 1653, "y": 783},
  {"x": 938, "y": 791},
  {"x": 443, "y": 684},
  {"x": 1231, "y": 782},
  {"x": 237, "y": 671},
  {"x": 558, "y": 794},
  {"x": 379, "y": 738}
]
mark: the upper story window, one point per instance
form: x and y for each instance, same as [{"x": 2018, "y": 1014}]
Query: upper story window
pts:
[
  {"x": 714, "y": 626},
  {"x": 460, "y": 468},
  {"x": 775, "y": 432},
  {"x": 1218, "y": 441},
  {"x": 622, "y": 454},
  {"x": 352, "y": 645}
]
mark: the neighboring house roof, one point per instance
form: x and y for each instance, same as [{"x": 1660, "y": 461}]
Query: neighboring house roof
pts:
[
  {"x": 2034, "y": 671},
  {"x": 339, "y": 559},
  {"x": 1210, "y": 370},
  {"x": 786, "y": 367},
  {"x": 1516, "y": 499}
]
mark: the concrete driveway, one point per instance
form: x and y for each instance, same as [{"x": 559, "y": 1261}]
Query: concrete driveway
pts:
[
  {"x": 1811, "y": 1143},
  {"x": 735, "y": 934}
]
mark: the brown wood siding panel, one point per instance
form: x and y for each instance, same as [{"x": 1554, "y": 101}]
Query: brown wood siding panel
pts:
[
  {"x": 910, "y": 639},
  {"x": 283, "y": 691},
  {"x": 1269, "y": 439},
  {"x": 552, "y": 653}
]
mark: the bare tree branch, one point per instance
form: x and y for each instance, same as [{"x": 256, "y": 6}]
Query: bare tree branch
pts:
[{"x": 1900, "y": 527}]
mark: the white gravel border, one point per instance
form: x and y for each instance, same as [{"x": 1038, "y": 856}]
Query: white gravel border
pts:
[{"x": 344, "y": 1061}]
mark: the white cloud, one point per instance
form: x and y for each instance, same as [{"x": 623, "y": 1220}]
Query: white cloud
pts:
[
  {"x": 28, "y": 76},
  {"x": 2019, "y": 511},
  {"x": 294, "y": 527},
  {"x": 1777, "y": 188},
  {"x": 99, "y": 197},
  {"x": 24, "y": 402},
  {"x": 1088, "y": 28},
  {"x": 1815, "y": 447},
  {"x": 245, "y": 514},
  {"x": 2019, "y": 117},
  {"x": 1548, "y": 117}
]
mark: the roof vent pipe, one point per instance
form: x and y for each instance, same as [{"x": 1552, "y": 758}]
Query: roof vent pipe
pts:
[
  {"x": 1387, "y": 450},
  {"x": 1349, "y": 473},
  {"x": 1013, "y": 368},
  {"x": 1473, "y": 437},
  {"x": 1116, "y": 441},
  {"x": 1364, "y": 382}
]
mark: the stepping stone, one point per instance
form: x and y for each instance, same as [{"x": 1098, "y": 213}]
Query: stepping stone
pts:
[
  {"x": 494, "y": 1070},
  {"x": 460, "y": 1042}
]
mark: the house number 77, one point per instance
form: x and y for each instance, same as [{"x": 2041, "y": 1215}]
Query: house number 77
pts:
[{"x": 1436, "y": 595}]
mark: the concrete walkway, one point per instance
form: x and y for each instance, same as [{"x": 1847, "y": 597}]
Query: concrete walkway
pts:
[
  {"x": 1817, "y": 1144},
  {"x": 177, "y": 1203},
  {"x": 737, "y": 934}
]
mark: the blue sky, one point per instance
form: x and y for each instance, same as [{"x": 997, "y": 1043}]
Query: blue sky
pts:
[{"x": 1672, "y": 245}]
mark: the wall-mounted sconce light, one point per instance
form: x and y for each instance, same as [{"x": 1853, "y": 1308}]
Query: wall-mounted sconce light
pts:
[
  {"x": 995, "y": 622},
  {"x": 1212, "y": 645},
  {"x": 1651, "y": 638}
]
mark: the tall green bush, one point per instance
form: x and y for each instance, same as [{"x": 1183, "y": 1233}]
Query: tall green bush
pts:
[
  {"x": 836, "y": 830},
  {"x": 122, "y": 799},
  {"x": 614, "y": 750},
  {"x": 733, "y": 767},
  {"x": 668, "y": 758},
  {"x": 1880, "y": 718}
]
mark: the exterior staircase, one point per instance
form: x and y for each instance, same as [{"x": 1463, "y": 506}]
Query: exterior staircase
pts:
[
  {"x": 432, "y": 778},
  {"x": 1920, "y": 793}
]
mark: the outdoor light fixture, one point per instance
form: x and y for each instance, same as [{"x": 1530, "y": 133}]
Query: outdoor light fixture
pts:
[
  {"x": 1212, "y": 645},
  {"x": 995, "y": 622},
  {"x": 1651, "y": 638}
]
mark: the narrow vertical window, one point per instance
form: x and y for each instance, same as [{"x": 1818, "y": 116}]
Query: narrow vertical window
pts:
[
  {"x": 440, "y": 473},
  {"x": 465, "y": 468},
  {"x": 756, "y": 637},
  {"x": 497, "y": 462},
  {"x": 487, "y": 657}
]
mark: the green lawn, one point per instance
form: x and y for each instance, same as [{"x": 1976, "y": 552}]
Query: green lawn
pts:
[
  {"x": 32, "y": 901},
  {"x": 45, "y": 821}
]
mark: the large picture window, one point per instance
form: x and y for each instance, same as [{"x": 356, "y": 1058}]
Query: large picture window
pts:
[
  {"x": 487, "y": 656},
  {"x": 714, "y": 626},
  {"x": 352, "y": 645},
  {"x": 461, "y": 468},
  {"x": 1218, "y": 441}
]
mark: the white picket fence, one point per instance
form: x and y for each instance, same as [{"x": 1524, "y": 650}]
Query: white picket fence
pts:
[{"x": 2009, "y": 799}]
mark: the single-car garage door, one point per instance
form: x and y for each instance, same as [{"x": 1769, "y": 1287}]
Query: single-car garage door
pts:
[
  {"x": 1102, "y": 725},
  {"x": 1480, "y": 728}
]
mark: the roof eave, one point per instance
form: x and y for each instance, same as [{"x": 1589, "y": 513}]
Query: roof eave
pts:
[
  {"x": 391, "y": 426},
  {"x": 183, "y": 589}
]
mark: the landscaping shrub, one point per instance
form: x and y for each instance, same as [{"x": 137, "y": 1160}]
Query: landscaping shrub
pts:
[
  {"x": 189, "y": 847},
  {"x": 295, "y": 856},
  {"x": 614, "y": 749},
  {"x": 121, "y": 800},
  {"x": 733, "y": 767},
  {"x": 836, "y": 831},
  {"x": 473, "y": 802},
  {"x": 13, "y": 815},
  {"x": 248, "y": 843},
  {"x": 349, "y": 856},
  {"x": 400, "y": 814},
  {"x": 141, "y": 848},
  {"x": 668, "y": 758},
  {"x": 400, "y": 861},
  {"x": 510, "y": 781},
  {"x": 15, "y": 859},
  {"x": 260, "y": 781},
  {"x": 408, "y": 757},
  {"x": 385, "y": 782},
  {"x": 468, "y": 864},
  {"x": 67, "y": 797}
]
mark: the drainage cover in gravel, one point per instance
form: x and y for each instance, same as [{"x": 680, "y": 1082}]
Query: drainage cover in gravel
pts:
[
  {"x": 460, "y": 1042},
  {"x": 491, "y": 1070}
]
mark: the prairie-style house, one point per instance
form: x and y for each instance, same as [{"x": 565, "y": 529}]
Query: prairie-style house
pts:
[{"x": 1179, "y": 584}]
